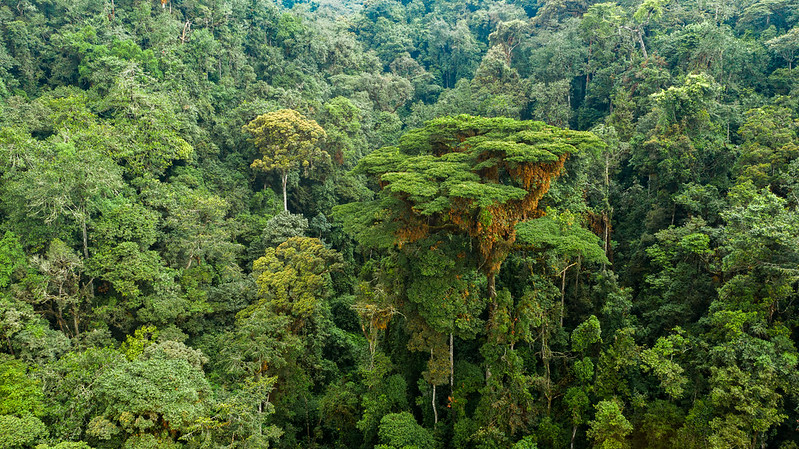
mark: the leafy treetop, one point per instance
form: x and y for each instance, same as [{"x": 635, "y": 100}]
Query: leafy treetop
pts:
[
  {"x": 285, "y": 138},
  {"x": 468, "y": 175},
  {"x": 287, "y": 141}
]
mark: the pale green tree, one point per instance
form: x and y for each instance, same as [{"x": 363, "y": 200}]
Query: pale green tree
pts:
[{"x": 287, "y": 141}]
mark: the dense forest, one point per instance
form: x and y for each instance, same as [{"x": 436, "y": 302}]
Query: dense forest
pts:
[{"x": 399, "y": 224}]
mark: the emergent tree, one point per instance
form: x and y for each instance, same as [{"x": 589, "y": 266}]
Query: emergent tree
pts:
[{"x": 287, "y": 141}]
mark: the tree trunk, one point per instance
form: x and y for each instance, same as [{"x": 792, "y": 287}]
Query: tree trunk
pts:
[
  {"x": 186, "y": 29},
  {"x": 607, "y": 178},
  {"x": 62, "y": 324},
  {"x": 606, "y": 223},
  {"x": 285, "y": 179},
  {"x": 492, "y": 312},
  {"x": 435, "y": 411},
  {"x": 640, "y": 35},
  {"x": 563, "y": 295},
  {"x": 588, "y": 69},
  {"x": 563, "y": 291},
  {"x": 86, "y": 253},
  {"x": 451, "y": 364},
  {"x": 492, "y": 296},
  {"x": 85, "y": 239},
  {"x": 452, "y": 373},
  {"x": 260, "y": 422},
  {"x": 10, "y": 348},
  {"x": 433, "y": 402},
  {"x": 307, "y": 420},
  {"x": 372, "y": 349},
  {"x": 75, "y": 320},
  {"x": 546, "y": 354},
  {"x": 574, "y": 433},
  {"x": 605, "y": 215}
]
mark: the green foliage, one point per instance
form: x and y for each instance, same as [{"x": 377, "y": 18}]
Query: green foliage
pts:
[
  {"x": 146, "y": 395},
  {"x": 586, "y": 334},
  {"x": 660, "y": 360},
  {"x": 126, "y": 222},
  {"x": 527, "y": 442},
  {"x": 65, "y": 445},
  {"x": 632, "y": 286},
  {"x": 786, "y": 45},
  {"x": 615, "y": 365},
  {"x": 400, "y": 430},
  {"x": 20, "y": 325},
  {"x": 129, "y": 277},
  {"x": 293, "y": 278},
  {"x": 243, "y": 416},
  {"x": 387, "y": 395},
  {"x": 757, "y": 243},
  {"x": 661, "y": 423},
  {"x": 563, "y": 236},
  {"x": 64, "y": 181},
  {"x": 770, "y": 144},
  {"x": 447, "y": 175},
  {"x": 283, "y": 226},
  {"x": 609, "y": 428},
  {"x": 287, "y": 141},
  {"x": 687, "y": 259},
  {"x": 134, "y": 345},
  {"x": 446, "y": 290},
  {"x": 20, "y": 394},
  {"x": 150, "y": 135},
  {"x": 20, "y": 431},
  {"x": 745, "y": 387},
  {"x": 11, "y": 258},
  {"x": 71, "y": 396},
  {"x": 686, "y": 102}
]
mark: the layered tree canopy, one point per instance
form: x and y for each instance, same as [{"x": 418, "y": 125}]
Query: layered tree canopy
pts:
[
  {"x": 513, "y": 224},
  {"x": 469, "y": 175}
]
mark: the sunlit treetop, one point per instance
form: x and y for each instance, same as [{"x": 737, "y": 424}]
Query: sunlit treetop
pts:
[{"x": 464, "y": 174}]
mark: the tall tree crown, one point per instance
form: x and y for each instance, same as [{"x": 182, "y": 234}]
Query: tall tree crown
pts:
[
  {"x": 472, "y": 175},
  {"x": 286, "y": 139}
]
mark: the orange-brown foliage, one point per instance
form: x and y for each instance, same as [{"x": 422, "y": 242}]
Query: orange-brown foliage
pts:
[
  {"x": 495, "y": 236},
  {"x": 413, "y": 231}
]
